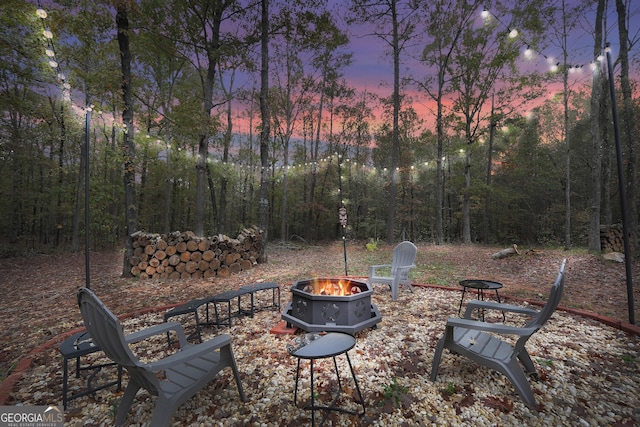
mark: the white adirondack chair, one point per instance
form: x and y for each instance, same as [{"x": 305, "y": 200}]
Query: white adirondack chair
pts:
[{"x": 404, "y": 256}]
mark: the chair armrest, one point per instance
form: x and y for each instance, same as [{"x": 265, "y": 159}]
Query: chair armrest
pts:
[
  {"x": 157, "y": 330},
  {"x": 191, "y": 351},
  {"x": 479, "y": 304},
  {"x": 498, "y": 328},
  {"x": 373, "y": 268},
  {"x": 405, "y": 268}
]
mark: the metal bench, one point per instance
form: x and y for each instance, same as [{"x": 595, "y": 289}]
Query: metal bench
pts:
[
  {"x": 224, "y": 298},
  {"x": 227, "y": 297},
  {"x": 192, "y": 307},
  {"x": 256, "y": 287}
]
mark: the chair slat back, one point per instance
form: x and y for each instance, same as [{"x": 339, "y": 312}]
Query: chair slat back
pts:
[
  {"x": 404, "y": 254},
  {"x": 105, "y": 329},
  {"x": 555, "y": 295}
]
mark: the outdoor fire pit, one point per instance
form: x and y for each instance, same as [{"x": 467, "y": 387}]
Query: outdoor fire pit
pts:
[{"x": 331, "y": 305}]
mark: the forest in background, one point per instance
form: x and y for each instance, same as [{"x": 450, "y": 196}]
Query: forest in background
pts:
[{"x": 171, "y": 93}]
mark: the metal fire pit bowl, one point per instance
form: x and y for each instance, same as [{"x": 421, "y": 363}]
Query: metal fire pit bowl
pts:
[{"x": 331, "y": 313}]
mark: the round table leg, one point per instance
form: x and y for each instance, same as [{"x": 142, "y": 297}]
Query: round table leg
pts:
[
  {"x": 357, "y": 386},
  {"x": 332, "y": 406}
]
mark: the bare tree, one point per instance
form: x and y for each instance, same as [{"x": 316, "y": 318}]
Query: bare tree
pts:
[
  {"x": 596, "y": 135},
  {"x": 394, "y": 24},
  {"x": 263, "y": 209},
  {"x": 444, "y": 23},
  {"x": 128, "y": 145},
  {"x": 629, "y": 126}
]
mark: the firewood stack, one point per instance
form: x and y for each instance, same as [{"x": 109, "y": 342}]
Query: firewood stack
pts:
[
  {"x": 183, "y": 255},
  {"x": 611, "y": 238}
]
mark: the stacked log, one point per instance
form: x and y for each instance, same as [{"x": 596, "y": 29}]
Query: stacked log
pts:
[
  {"x": 183, "y": 255},
  {"x": 611, "y": 238}
]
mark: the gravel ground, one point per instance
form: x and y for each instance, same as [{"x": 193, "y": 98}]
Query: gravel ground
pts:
[
  {"x": 588, "y": 371},
  {"x": 588, "y": 376}
]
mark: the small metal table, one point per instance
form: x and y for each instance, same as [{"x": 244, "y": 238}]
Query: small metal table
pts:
[
  {"x": 74, "y": 347},
  {"x": 320, "y": 345},
  {"x": 480, "y": 286}
]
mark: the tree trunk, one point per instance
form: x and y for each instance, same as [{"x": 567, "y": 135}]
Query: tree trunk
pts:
[
  {"x": 77, "y": 210},
  {"x": 487, "y": 200},
  {"x": 567, "y": 158},
  {"x": 605, "y": 108},
  {"x": 213, "y": 53},
  {"x": 285, "y": 194},
  {"x": 439, "y": 237},
  {"x": 596, "y": 95},
  {"x": 223, "y": 224},
  {"x": 166, "y": 215},
  {"x": 212, "y": 195},
  {"x": 466, "y": 198},
  {"x": 263, "y": 210},
  {"x": 128, "y": 146},
  {"x": 396, "y": 114},
  {"x": 628, "y": 123},
  {"x": 513, "y": 250}
]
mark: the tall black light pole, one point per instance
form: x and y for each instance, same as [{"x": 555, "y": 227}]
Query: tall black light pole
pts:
[
  {"x": 621, "y": 186},
  {"x": 87, "y": 128}
]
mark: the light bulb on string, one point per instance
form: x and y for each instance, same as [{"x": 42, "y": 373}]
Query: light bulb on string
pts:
[
  {"x": 513, "y": 33},
  {"x": 47, "y": 34},
  {"x": 528, "y": 53},
  {"x": 53, "y": 64},
  {"x": 50, "y": 53},
  {"x": 485, "y": 14},
  {"x": 41, "y": 13}
]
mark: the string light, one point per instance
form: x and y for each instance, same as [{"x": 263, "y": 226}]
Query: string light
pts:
[{"x": 529, "y": 53}]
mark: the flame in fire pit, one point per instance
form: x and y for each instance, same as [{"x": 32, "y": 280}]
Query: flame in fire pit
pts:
[{"x": 335, "y": 287}]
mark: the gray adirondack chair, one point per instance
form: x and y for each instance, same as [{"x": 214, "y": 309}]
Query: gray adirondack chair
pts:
[
  {"x": 481, "y": 342},
  {"x": 173, "y": 379},
  {"x": 404, "y": 256}
]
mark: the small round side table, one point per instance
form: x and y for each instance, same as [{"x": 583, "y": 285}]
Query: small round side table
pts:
[
  {"x": 320, "y": 345},
  {"x": 480, "y": 286}
]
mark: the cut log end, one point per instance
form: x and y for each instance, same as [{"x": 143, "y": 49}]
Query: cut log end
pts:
[{"x": 181, "y": 255}]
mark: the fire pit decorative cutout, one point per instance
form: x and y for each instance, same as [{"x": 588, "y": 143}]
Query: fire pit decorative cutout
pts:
[{"x": 331, "y": 305}]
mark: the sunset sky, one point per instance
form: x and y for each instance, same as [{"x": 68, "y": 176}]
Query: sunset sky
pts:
[{"x": 372, "y": 67}]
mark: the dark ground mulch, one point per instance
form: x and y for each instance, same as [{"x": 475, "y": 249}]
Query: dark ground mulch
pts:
[{"x": 38, "y": 300}]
